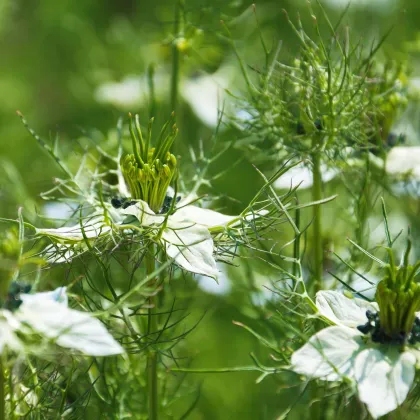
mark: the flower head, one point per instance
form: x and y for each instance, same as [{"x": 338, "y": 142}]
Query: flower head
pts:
[
  {"x": 142, "y": 204},
  {"x": 25, "y": 317},
  {"x": 383, "y": 371}
]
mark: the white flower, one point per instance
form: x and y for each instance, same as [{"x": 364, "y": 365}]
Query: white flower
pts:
[
  {"x": 47, "y": 314},
  {"x": 404, "y": 161},
  {"x": 383, "y": 374},
  {"x": 186, "y": 235},
  {"x": 302, "y": 175}
]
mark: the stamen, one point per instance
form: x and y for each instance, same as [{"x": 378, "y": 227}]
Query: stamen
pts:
[
  {"x": 149, "y": 171},
  {"x": 378, "y": 334},
  {"x": 13, "y": 300}
]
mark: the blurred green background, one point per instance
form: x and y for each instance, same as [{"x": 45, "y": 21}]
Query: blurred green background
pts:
[{"x": 76, "y": 67}]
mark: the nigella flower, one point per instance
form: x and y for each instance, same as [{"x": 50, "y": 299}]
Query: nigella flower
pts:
[
  {"x": 184, "y": 231},
  {"x": 373, "y": 344},
  {"x": 47, "y": 315}
]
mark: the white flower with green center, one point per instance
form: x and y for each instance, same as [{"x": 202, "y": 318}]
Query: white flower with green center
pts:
[
  {"x": 186, "y": 234},
  {"x": 48, "y": 315},
  {"x": 384, "y": 372}
]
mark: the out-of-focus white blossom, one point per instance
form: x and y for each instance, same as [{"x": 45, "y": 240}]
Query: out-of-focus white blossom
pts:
[
  {"x": 301, "y": 175},
  {"x": 48, "y": 315},
  {"x": 404, "y": 161},
  {"x": 378, "y": 5},
  {"x": 383, "y": 374}
]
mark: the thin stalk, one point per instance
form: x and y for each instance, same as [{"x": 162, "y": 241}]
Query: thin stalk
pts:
[
  {"x": 152, "y": 94},
  {"x": 2, "y": 393},
  {"x": 318, "y": 253},
  {"x": 296, "y": 245},
  {"x": 176, "y": 57},
  {"x": 12, "y": 398},
  {"x": 152, "y": 328}
]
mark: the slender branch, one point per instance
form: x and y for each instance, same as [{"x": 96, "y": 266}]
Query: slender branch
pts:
[
  {"x": 318, "y": 255},
  {"x": 2, "y": 393},
  {"x": 176, "y": 57},
  {"x": 152, "y": 327}
]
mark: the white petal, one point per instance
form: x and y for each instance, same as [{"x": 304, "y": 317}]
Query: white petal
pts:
[
  {"x": 204, "y": 217},
  {"x": 302, "y": 175},
  {"x": 205, "y": 94},
  {"x": 126, "y": 94},
  {"x": 342, "y": 310},
  {"x": 132, "y": 91},
  {"x": 8, "y": 338},
  {"x": 329, "y": 354},
  {"x": 144, "y": 214},
  {"x": 404, "y": 160},
  {"x": 68, "y": 327},
  {"x": 377, "y": 5},
  {"x": 61, "y": 253},
  {"x": 92, "y": 228},
  {"x": 58, "y": 295},
  {"x": 191, "y": 246},
  {"x": 58, "y": 210},
  {"x": 223, "y": 285},
  {"x": 384, "y": 379},
  {"x": 213, "y": 219},
  {"x": 255, "y": 215}
]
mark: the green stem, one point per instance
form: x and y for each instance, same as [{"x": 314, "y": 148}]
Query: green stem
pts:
[
  {"x": 152, "y": 94},
  {"x": 176, "y": 56},
  {"x": 153, "y": 386},
  {"x": 2, "y": 393},
  {"x": 296, "y": 245},
  {"x": 317, "y": 222},
  {"x": 152, "y": 328}
]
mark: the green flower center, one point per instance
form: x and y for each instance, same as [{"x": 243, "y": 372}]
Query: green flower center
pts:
[
  {"x": 149, "y": 171},
  {"x": 398, "y": 297}
]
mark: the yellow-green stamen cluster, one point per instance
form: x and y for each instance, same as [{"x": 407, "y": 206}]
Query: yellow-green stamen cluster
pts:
[
  {"x": 398, "y": 297},
  {"x": 148, "y": 171}
]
